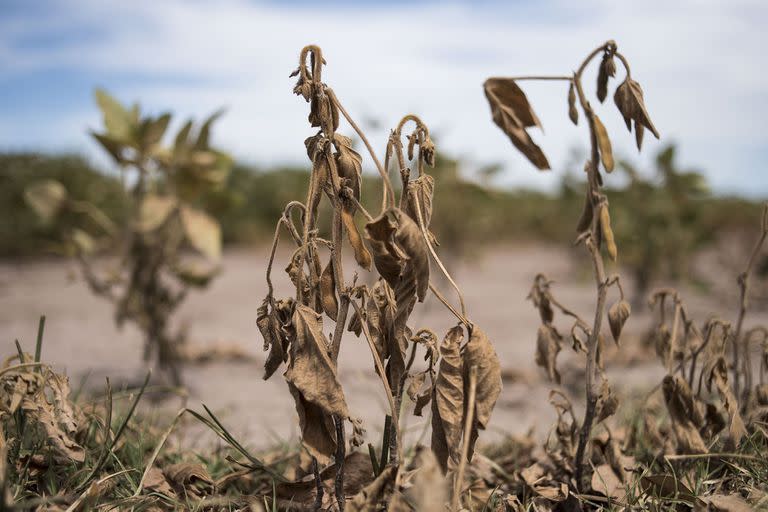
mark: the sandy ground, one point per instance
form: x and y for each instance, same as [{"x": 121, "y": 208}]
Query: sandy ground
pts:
[{"x": 82, "y": 340}]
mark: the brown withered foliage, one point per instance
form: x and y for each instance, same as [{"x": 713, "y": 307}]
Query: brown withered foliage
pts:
[
  {"x": 462, "y": 377},
  {"x": 513, "y": 113}
]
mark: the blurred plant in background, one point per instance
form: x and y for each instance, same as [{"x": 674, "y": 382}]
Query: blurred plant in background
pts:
[{"x": 163, "y": 240}]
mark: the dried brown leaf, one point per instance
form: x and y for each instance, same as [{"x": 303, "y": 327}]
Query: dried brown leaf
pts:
[
  {"x": 189, "y": 477},
  {"x": 548, "y": 342},
  {"x": 480, "y": 354},
  {"x": 271, "y": 322},
  {"x": 607, "y": 69},
  {"x": 629, "y": 100},
  {"x": 617, "y": 317},
  {"x": 448, "y": 401},
  {"x": 421, "y": 189},
  {"x": 607, "y": 403},
  {"x": 605, "y": 481},
  {"x": 399, "y": 250},
  {"x": 685, "y": 414},
  {"x": 311, "y": 377},
  {"x": 513, "y": 113},
  {"x": 727, "y": 503},
  {"x": 429, "y": 489}
]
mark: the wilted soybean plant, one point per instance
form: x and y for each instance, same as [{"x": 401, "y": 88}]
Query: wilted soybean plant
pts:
[
  {"x": 152, "y": 270},
  {"x": 399, "y": 244},
  {"x": 513, "y": 114}
]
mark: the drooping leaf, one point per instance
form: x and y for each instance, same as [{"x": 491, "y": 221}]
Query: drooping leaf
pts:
[
  {"x": 607, "y": 403},
  {"x": 513, "y": 113},
  {"x": 617, "y": 317},
  {"x": 607, "y": 69},
  {"x": 312, "y": 380},
  {"x": 548, "y": 342},
  {"x": 448, "y": 401},
  {"x": 202, "y": 231},
  {"x": 272, "y": 323},
  {"x": 629, "y": 100},
  {"x": 421, "y": 189},
  {"x": 399, "y": 250},
  {"x": 480, "y": 354},
  {"x": 46, "y": 198},
  {"x": 685, "y": 414}
]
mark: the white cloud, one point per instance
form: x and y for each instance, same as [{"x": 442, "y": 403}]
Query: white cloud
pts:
[{"x": 698, "y": 62}]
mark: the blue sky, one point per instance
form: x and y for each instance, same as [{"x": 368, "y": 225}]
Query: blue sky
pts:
[{"x": 699, "y": 63}]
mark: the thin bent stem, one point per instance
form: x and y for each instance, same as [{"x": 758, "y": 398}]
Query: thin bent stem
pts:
[
  {"x": 388, "y": 196},
  {"x": 540, "y": 77},
  {"x": 470, "y": 417},
  {"x": 437, "y": 259}
]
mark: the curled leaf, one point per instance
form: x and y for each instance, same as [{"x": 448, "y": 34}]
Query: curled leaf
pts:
[
  {"x": 629, "y": 100},
  {"x": 548, "y": 342},
  {"x": 448, "y": 401},
  {"x": 617, "y": 317},
  {"x": 513, "y": 113},
  {"x": 312, "y": 380},
  {"x": 607, "y": 69},
  {"x": 685, "y": 414},
  {"x": 399, "y": 250},
  {"x": 480, "y": 354}
]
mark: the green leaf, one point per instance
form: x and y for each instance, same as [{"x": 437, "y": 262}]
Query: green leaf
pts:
[
  {"x": 83, "y": 241},
  {"x": 153, "y": 212},
  {"x": 196, "y": 275},
  {"x": 181, "y": 142},
  {"x": 205, "y": 130},
  {"x": 46, "y": 198},
  {"x": 152, "y": 130},
  {"x": 113, "y": 146},
  {"x": 203, "y": 232},
  {"x": 118, "y": 120}
]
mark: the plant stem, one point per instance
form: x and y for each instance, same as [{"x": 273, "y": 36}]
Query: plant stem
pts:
[
  {"x": 388, "y": 196},
  {"x": 598, "y": 201},
  {"x": 470, "y": 418},
  {"x": 341, "y": 454}
]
